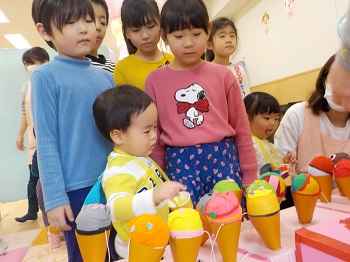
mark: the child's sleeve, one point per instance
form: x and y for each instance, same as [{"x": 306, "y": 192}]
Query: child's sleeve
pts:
[
  {"x": 119, "y": 186},
  {"x": 238, "y": 119},
  {"x": 158, "y": 153},
  {"x": 45, "y": 116},
  {"x": 119, "y": 77}
]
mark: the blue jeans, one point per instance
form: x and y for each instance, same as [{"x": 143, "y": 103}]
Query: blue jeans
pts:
[{"x": 76, "y": 199}]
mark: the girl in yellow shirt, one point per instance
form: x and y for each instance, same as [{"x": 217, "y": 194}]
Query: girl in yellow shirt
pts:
[{"x": 141, "y": 29}]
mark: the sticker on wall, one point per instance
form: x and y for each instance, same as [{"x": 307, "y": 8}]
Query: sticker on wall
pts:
[
  {"x": 289, "y": 5},
  {"x": 265, "y": 20}
]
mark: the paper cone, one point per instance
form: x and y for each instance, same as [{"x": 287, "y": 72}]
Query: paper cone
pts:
[
  {"x": 305, "y": 206},
  {"x": 185, "y": 249},
  {"x": 325, "y": 183},
  {"x": 93, "y": 247},
  {"x": 206, "y": 227},
  {"x": 227, "y": 239},
  {"x": 343, "y": 184},
  {"x": 138, "y": 252},
  {"x": 269, "y": 230}
]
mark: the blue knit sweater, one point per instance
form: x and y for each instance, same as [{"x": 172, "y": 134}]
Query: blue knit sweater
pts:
[{"x": 71, "y": 151}]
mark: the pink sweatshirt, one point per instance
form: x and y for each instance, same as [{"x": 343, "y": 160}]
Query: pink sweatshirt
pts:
[{"x": 199, "y": 106}]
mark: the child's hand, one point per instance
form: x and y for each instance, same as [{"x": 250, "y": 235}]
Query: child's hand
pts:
[
  {"x": 58, "y": 217},
  {"x": 166, "y": 191},
  {"x": 289, "y": 158}
]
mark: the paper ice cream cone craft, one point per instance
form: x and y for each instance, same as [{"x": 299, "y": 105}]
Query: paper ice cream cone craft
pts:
[
  {"x": 224, "y": 215},
  {"x": 321, "y": 168},
  {"x": 201, "y": 209},
  {"x": 277, "y": 182},
  {"x": 305, "y": 192},
  {"x": 228, "y": 185},
  {"x": 263, "y": 211},
  {"x": 186, "y": 232},
  {"x": 92, "y": 232},
  {"x": 342, "y": 176},
  {"x": 149, "y": 235},
  {"x": 182, "y": 200}
]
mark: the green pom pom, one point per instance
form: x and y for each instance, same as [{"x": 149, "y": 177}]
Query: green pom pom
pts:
[
  {"x": 213, "y": 215},
  {"x": 149, "y": 226}
]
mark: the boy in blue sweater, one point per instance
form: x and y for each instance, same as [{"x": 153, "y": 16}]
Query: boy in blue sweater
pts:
[{"x": 71, "y": 152}]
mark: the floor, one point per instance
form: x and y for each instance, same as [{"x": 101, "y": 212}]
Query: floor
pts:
[{"x": 26, "y": 241}]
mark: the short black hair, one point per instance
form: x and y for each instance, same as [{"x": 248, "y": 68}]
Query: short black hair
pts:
[
  {"x": 316, "y": 101},
  {"x": 216, "y": 25},
  {"x": 34, "y": 55},
  {"x": 137, "y": 13},
  {"x": 261, "y": 103},
  {"x": 60, "y": 12},
  {"x": 184, "y": 14},
  {"x": 115, "y": 107},
  {"x": 105, "y": 7}
]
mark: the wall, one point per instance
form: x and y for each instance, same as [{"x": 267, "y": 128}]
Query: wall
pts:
[
  {"x": 13, "y": 166},
  {"x": 293, "y": 44}
]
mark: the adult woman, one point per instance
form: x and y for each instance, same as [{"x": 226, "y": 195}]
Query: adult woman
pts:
[{"x": 316, "y": 127}]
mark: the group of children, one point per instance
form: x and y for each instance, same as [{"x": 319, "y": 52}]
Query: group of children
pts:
[{"x": 189, "y": 121}]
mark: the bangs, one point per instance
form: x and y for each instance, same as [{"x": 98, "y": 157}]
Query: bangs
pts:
[
  {"x": 272, "y": 108},
  {"x": 179, "y": 15},
  {"x": 139, "y": 13},
  {"x": 67, "y": 11},
  {"x": 261, "y": 103}
]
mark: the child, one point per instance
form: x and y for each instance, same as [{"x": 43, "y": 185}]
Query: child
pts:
[
  {"x": 140, "y": 22},
  {"x": 264, "y": 115},
  {"x": 31, "y": 59},
  {"x": 102, "y": 19},
  {"x": 222, "y": 44},
  {"x": 132, "y": 182},
  {"x": 222, "y": 41},
  {"x": 204, "y": 134},
  {"x": 71, "y": 152}
]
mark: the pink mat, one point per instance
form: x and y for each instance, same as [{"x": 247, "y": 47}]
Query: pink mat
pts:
[{"x": 16, "y": 255}]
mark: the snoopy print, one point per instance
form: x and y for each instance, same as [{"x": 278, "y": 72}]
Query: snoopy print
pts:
[{"x": 192, "y": 102}]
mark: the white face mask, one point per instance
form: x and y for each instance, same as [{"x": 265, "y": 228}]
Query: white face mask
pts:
[{"x": 328, "y": 95}]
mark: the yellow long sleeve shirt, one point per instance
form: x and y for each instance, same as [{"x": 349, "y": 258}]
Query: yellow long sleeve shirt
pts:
[
  {"x": 128, "y": 183},
  {"x": 133, "y": 70}
]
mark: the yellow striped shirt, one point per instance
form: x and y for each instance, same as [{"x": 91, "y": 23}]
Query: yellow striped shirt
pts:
[{"x": 128, "y": 183}]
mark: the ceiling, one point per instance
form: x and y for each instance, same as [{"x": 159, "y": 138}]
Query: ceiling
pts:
[{"x": 19, "y": 14}]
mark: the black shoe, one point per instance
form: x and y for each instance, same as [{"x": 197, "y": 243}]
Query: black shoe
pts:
[{"x": 26, "y": 218}]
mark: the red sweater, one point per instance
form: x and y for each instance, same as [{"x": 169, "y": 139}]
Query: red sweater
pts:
[{"x": 199, "y": 106}]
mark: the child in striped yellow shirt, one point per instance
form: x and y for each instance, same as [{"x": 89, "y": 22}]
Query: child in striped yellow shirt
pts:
[{"x": 132, "y": 182}]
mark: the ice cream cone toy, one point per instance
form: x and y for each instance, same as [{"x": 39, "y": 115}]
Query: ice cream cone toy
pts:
[
  {"x": 182, "y": 200},
  {"x": 228, "y": 185},
  {"x": 342, "y": 176},
  {"x": 263, "y": 211},
  {"x": 186, "y": 234},
  {"x": 321, "y": 168},
  {"x": 305, "y": 192},
  {"x": 224, "y": 215},
  {"x": 92, "y": 232},
  {"x": 93, "y": 224},
  {"x": 149, "y": 235},
  {"x": 201, "y": 209},
  {"x": 275, "y": 180}
]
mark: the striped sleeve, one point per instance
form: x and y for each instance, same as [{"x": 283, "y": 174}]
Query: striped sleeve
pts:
[{"x": 120, "y": 186}]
